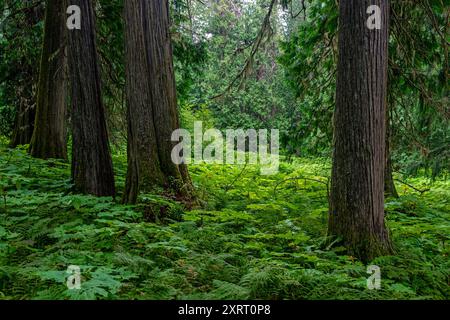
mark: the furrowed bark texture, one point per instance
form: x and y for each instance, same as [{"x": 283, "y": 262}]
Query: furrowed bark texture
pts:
[
  {"x": 357, "y": 192},
  {"x": 152, "y": 102},
  {"x": 49, "y": 136},
  {"x": 92, "y": 170}
]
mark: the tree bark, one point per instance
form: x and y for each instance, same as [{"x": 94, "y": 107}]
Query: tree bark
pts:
[
  {"x": 24, "y": 123},
  {"x": 26, "y": 106},
  {"x": 389, "y": 185},
  {"x": 152, "y": 101},
  {"x": 357, "y": 192},
  {"x": 92, "y": 170},
  {"x": 49, "y": 137}
]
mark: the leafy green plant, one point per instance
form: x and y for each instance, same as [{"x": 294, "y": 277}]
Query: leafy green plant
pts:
[{"x": 245, "y": 242}]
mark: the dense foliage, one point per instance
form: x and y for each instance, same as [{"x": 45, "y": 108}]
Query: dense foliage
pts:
[
  {"x": 418, "y": 82},
  {"x": 256, "y": 237},
  {"x": 20, "y": 40},
  {"x": 238, "y": 64}
]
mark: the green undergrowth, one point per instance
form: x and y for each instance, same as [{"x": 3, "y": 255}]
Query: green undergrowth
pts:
[{"x": 254, "y": 237}]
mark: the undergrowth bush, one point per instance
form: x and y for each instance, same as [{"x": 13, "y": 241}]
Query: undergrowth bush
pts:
[{"x": 254, "y": 237}]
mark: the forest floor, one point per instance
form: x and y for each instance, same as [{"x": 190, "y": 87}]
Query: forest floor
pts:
[{"x": 255, "y": 237}]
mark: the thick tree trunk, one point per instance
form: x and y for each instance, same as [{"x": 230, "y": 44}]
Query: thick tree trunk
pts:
[
  {"x": 152, "y": 101},
  {"x": 357, "y": 192},
  {"x": 92, "y": 170},
  {"x": 49, "y": 137}
]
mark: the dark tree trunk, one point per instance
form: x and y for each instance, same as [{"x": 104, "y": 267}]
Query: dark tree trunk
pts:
[
  {"x": 357, "y": 192},
  {"x": 49, "y": 137},
  {"x": 152, "y": 101},
  {"x": 92, "y": 170},
  {"x": 26, "y": 105},
  {"x": 24, "y": 122},
  {"x": 389, "y": 185}
]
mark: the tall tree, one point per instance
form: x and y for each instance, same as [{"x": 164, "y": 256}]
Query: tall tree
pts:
[
  {"x": 92, "y": 170},
  {"x": 49, "y": 136},
  {"x": 152, "y": 102},
  {"x": 389, "y": 185},
  {"x": 357, "y": 193},
  {"x": 23, "y": 123},
  {"x": 24, "y": 73}
]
